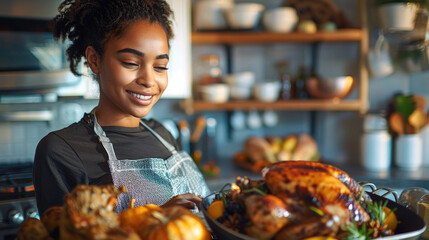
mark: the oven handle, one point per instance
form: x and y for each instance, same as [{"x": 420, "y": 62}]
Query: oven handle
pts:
[{"x": 27, "y": 116}]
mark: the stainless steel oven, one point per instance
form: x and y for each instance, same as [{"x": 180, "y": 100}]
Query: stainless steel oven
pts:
[
  {"x": 31, "y": 62},
  {"x": 17, "y": 199}
]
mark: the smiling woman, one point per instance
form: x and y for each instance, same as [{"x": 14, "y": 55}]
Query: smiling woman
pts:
[
  {"x": 132, "y": 73},
  {"x": 125, "y": 43}
]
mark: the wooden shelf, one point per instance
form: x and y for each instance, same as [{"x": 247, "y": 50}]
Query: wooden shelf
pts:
[
  {"x": 297, "y": 105},
  {"x": 341, "y": 35},
  {"x": 359, "y": 35}
]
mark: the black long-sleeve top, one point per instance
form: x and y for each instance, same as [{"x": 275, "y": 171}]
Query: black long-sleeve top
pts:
[{"x": 73, "y": 155}]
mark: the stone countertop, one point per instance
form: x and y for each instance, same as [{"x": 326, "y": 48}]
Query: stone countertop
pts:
[{"x": 394, "y": 178}]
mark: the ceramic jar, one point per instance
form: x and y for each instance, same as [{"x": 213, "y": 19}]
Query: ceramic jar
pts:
[{"x": 408, "y": 151}]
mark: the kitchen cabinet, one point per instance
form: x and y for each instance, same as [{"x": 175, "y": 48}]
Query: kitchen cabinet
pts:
[{"x": 359, "y": 35}]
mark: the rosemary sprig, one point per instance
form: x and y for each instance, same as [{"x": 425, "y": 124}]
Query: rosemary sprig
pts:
[
  {"x": 222, "y": 193},
  {"x": 256, "y": 190},
  {"x": 377, "y": 210},
  {"x": 316, "y": 210},
  {"x": 357, "y": 233}
]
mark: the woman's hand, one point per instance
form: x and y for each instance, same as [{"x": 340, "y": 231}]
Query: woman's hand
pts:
[{"x": 187, "y": 200}]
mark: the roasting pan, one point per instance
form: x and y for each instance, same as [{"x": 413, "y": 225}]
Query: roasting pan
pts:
[{"x": 410, "y": 226}]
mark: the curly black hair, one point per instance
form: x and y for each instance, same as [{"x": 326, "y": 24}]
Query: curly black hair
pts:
[{"x": 93, "y": 22}]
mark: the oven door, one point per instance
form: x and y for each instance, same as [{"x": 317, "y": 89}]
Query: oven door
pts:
[{"x": 32, "y": 61}]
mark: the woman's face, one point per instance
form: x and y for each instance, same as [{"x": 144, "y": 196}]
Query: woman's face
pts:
[{"x": 133, "y": 71}]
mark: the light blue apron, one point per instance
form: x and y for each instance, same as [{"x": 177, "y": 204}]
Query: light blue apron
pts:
[{"x": 152, "y": 180}]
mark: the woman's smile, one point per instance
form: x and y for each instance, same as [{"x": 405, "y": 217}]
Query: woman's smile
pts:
[{"x": 143, "y": 99}]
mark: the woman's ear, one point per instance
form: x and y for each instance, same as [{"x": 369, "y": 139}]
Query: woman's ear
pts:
[{"x": 93, "y": 59}]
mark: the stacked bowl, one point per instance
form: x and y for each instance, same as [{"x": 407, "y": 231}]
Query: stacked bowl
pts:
[
  {"x": 240, "y": 84},
  {"x": 281, "y": 19},
  {"x": 244, "y": 15}
]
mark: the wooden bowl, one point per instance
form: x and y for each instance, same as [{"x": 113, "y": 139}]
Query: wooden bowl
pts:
[{"x": 328, "y": 88}]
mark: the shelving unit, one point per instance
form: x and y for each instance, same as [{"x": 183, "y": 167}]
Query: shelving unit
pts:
[
  {"x": 304, "y": 105},
  {"x": 341, "y": 35}
]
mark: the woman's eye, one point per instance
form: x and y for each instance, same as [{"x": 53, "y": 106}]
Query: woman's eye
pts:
[
  {"x": 130, "y": 64},
  {"x": 161, "y": 68}
]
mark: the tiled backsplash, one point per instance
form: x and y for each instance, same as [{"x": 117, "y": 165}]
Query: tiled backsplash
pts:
[{"x": 18, "y": 139}]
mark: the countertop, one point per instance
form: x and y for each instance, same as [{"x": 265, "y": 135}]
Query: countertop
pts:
[{"x": 394, "y": 178}]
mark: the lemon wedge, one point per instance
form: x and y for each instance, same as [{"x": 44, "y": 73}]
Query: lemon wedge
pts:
[
  {"x": 391, "y": 220},
  {"x": 216, "y": 209}
]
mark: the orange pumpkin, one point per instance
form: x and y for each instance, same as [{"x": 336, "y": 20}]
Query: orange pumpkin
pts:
[
  {"x": 51, "y": 218},
  {"x": 173, "y": 223},
  {"x": 133, "y": 217},
  {"x": 32, "y": 229}
]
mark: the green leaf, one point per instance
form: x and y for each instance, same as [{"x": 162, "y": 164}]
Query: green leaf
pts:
[
  {"x": 405, "y": 105},
  {"x": 222, "y": 193}
]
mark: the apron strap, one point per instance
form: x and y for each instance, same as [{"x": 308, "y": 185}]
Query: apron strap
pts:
[
  {"x": 105, "y": 141},
  {"x": 109, "y": 146},
  {"x": 164, "y": 142}
]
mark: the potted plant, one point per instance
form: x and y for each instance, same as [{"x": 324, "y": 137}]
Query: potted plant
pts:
[{"x": 399, "y": 15}]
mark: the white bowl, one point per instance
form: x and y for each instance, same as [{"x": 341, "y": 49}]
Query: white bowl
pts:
[
  {"x": 240, "y": 93},
  {"x": 244, "y": 15},
  {"x": 209, "y": 14},
  {"x": 267, "y": 91},
  {"x": 281, "y": 19},
  {"x": 241, "y": 79},
  {"x": 217, "y": 93}
]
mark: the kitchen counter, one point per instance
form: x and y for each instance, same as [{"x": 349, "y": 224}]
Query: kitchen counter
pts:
[{"x": 394, "y": 178}]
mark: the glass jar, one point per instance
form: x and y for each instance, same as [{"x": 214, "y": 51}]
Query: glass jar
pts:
[
  {"x": 410, "y": 197},
  {"x": 212, "y": 71},
  {"x": 287, "y": 90},
  {"x": 423, "y": 212},
  {"x": 300, "y": 83}
]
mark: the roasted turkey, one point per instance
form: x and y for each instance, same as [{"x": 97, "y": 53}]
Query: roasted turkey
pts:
[
  {"x": 88, "y": 214},
  {"x": 309, "y": 198},
  {"x": 268, "y": 214}
]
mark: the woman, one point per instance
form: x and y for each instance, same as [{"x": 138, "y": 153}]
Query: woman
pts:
[{"x": 125, "y": 43}]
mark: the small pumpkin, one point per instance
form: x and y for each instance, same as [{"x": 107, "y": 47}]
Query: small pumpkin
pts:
[
  {"x": 51, "y": 218},
  {"x": 32, "y": 229},
  {"x": 133, "y": 216},
  {"x": 173, "y": 223}
]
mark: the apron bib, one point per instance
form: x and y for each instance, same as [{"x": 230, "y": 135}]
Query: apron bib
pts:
[{"x": 152, "y": 180}]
